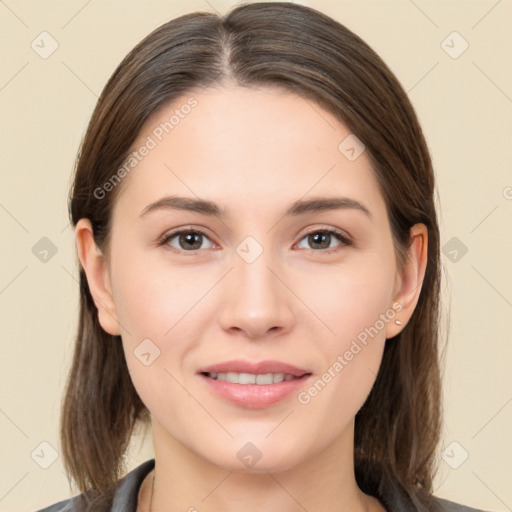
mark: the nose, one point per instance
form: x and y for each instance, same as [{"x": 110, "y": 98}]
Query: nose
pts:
[{"x": 257, "y": 302}]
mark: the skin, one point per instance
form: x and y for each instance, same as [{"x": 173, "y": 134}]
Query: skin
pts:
[{"x": 253, "y": 152}]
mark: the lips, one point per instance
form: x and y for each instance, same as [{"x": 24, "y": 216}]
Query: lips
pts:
[
  {"x": 253, "y": 385},
  {"x": 256, "y": 368}
]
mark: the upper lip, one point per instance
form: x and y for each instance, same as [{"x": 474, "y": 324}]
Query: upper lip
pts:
[{"x": 257, "y": 368}]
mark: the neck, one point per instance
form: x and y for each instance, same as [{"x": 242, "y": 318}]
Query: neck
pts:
[{"x": 326, "y": 481}]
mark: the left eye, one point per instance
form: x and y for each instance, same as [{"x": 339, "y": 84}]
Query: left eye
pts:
[{"x": 321, "y": 239}]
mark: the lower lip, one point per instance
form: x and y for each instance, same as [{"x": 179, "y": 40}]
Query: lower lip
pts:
[{"x": 255, "y": 396}]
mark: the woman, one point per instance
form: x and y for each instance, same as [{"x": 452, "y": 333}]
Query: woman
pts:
[{"x": 255, "y": 222}]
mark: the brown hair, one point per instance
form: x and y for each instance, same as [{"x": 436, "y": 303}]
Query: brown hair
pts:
[{"x": 304, "y": 51}]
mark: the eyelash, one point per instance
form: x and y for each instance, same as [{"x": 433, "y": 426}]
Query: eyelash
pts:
[{"x": 340, "y": 236}]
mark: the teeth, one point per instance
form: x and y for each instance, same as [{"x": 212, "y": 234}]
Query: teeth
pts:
[
  {"x": 278, "y": 377},
  {"x": 251, "y": 378},
  {"x": 266, "y": 378}
]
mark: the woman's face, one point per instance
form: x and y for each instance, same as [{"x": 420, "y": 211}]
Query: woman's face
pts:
[{"x": 255, "y": 283}]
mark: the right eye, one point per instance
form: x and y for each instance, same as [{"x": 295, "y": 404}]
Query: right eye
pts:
[{"x": 186, "y": 240}]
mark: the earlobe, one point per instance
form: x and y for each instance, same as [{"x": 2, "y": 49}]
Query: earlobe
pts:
[
  {"x": 410, "y": 280},
  {"x": 95, "y": 267}
]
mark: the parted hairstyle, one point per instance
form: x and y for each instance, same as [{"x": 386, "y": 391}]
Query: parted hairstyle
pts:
[{"x": 303, "y": 51}]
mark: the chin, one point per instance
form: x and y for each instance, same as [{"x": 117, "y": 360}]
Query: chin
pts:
[{"x": 250, "y": 459}]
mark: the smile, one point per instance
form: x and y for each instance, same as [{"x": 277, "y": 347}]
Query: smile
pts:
[{"x": 251, "y": 378}]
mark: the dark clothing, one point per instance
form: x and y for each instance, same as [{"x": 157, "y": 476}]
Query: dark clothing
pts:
[{"x": 127, "y": 490}]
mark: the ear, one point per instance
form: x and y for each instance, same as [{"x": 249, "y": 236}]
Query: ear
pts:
[
  {"x": 96, "y": 270},
  {"x": 409, "y": 280}
]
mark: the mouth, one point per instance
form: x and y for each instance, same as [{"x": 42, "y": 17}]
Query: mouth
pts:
[
  {"x": 260, "y": 379},
  {"x": 253, "y": 385},
  {"x": 242, "y": 367}
]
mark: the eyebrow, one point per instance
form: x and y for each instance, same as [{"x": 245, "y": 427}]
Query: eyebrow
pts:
[{"x": 299, "y": 207}]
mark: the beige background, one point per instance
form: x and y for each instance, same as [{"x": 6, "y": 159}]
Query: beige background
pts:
[{"x": 465, "y": 107}]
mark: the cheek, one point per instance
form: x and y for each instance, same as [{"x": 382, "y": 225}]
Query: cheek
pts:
[
  {"x": 154, "y": 300},
  {"x": 351, "y": 298},
  {"x": 356, "y": 307},
  {"x": 162, "y": 315}
]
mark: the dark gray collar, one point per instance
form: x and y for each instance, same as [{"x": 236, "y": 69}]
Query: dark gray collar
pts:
[
  {"x": 125, "y": 498},
  {"x": 393, "y": 500}
]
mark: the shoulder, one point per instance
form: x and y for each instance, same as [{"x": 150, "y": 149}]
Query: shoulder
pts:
[
  {"x": 450, "y": 506},
  {"x": 69, "y": 505},
  {"x": 395, "y": 498},
  {"x": 124, "y": 497}
]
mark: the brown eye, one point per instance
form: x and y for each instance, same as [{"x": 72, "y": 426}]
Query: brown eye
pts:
[
  {"x": 321, "y": 240},
  {"x": 186, "y": 240}
]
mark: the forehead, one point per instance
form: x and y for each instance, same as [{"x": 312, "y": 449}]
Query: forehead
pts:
[{"x": 237, "y": 145}]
